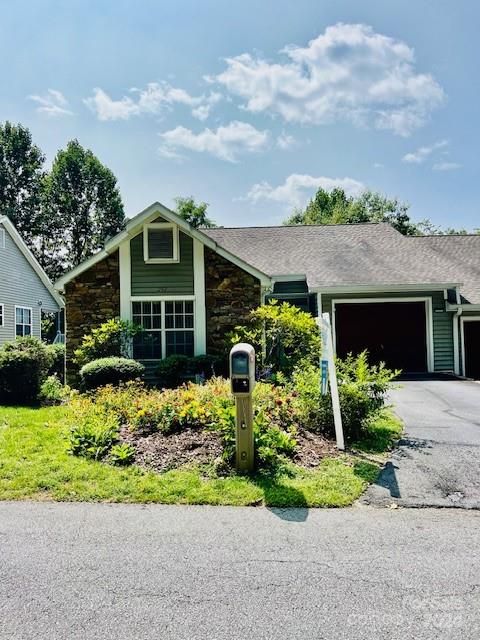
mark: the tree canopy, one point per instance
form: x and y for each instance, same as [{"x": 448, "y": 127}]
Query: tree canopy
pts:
[
  {"x": 64, "y": 215},
  {"x": 335, "y": 207},
  {"x": 83, "y": 200},
  {"x": 21, "y": 179},
  {"x": 194, "y": 213}
]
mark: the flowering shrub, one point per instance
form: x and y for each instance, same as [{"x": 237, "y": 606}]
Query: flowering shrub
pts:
[{"x": 93, "y": 429}]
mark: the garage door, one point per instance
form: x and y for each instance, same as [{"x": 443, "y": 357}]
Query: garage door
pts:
[
  {"x": 392, "y": 332},
  {"x": 471, "y": 334}
]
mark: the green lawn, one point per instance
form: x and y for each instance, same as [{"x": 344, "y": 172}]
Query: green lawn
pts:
[{"x": 35, "y": 464}]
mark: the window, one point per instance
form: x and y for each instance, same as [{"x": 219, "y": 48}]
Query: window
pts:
[
  {"x": 23, "y": 321},
  {"x": 1, "y": 315},
  {"x": 147, "y": 345},
  {"x": 168, "y": 329},
  {"x": 160, "y": 242}
]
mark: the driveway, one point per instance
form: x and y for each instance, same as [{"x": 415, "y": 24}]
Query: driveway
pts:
[{"x": 438, "y": 461}]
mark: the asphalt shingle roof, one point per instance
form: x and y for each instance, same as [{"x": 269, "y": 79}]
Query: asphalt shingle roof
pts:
[
  {"x": 462, "y": 253},
  {"x": 353, "y": 254}
]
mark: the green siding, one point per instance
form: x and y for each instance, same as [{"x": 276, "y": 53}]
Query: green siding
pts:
[
  {"x": 162, "y": 279},
  {"x": 442, "y": 321},
  {"x": 295, "y": 286},
  {"x": 296, "y": 293}
]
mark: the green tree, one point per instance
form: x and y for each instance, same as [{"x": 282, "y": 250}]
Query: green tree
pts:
[
  {"x": 21, "y": 176},
  {"x": 335, "y": 207},
  {"x": 83, "y": 208},
  {"x": 195, "y": 214}
]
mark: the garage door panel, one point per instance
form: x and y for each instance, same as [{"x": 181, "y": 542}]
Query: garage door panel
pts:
[
  {"x": 392, "y": 332},
  {"x": 471, "y": 333}
]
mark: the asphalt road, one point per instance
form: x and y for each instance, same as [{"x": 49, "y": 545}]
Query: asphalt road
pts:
[
  {"x": 93, "y": 571},
  {"x": 438, "y": 460}
]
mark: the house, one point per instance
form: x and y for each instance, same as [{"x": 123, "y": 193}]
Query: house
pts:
[
  {"x": 412, "y": 302},
  {"x": 25, "y": 290}
]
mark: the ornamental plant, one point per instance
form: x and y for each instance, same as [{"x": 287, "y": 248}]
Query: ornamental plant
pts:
[
  {"x": 112, "y": 338},
  {"x": 282, "y": 336}
]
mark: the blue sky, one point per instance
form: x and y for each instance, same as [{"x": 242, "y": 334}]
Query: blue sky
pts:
[{"x": 251, "y": 105}]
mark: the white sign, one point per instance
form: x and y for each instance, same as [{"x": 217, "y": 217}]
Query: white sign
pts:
[{"x": 329, "y": 376}]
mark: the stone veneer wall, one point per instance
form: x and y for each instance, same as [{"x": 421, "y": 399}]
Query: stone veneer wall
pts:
[
  {"x": 91, "y": 299},
  {"x": 230, "y": 293}
]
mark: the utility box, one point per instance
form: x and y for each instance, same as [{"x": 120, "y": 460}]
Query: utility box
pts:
[{"x": 242, "y": 380}]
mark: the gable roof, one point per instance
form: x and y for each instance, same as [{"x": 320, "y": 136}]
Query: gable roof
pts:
[
  {"x": 135, "y": 225},
  {"x": 33, "y": 262},
  {"x": 462, "y": 254},
  {"x": 338, "y": 256}
]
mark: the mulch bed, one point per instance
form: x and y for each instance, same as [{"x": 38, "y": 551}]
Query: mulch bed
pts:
[{"x": 159, "y": 452}]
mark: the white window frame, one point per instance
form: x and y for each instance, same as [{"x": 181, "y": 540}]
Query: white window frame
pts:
[
  {"x": 23, "y": 324},
  {"x": 164, "y": 226},
  {"x": 428, "y": 320},
  {"x": 2, "y": 315},
  {"x": 462, "y": 338},
  {"x": 163, "y": 330}
]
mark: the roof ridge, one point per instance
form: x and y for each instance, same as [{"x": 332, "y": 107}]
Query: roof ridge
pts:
[
  {"x": 449, "y": 235},
  {"x": 302, "y": 226}
]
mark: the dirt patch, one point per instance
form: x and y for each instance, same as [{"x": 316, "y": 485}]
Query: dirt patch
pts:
[
  {"x": 312, "y": 448},
  {"x": 159, "y": 452}
]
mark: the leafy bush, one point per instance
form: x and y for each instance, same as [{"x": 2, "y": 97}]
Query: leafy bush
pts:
[
  {"x": 53, "y": 391},
  {"x": 112, "y": 338},
  {"x": 56, "y": 354},
  {"x": 93, "y": 430},
  {"x": 110, "y": 371},
  {"x": 122, "y": 454},
  {"x": 176, "y": 369},
  {"x": 24, "y": 365},
  {"x": 361, "y": 388},
  {"x": 282, "y": 336}
]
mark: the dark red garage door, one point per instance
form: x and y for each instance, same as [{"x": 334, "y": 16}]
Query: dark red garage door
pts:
[
  {"x": 392, "y": 332},
  {"x": 471, "y": 333}
]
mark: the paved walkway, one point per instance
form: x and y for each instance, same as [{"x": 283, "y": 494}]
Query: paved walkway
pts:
[{"x": 438, "y": 461}]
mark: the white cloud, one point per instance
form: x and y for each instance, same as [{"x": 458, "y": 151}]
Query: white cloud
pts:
[
  {"x": 446, "y": 166},
  {"x": 53, "y": 103},
  {"x": 151, "y": 100},
  {"x": 349, "y": 72},
  {"x": 378, "y": 165},
  {"x": 285, "y": 141},
  {"x": 422, "y": 153},
  {"x": 226, "y": 142},
  {"x": 298, "y": 188}
]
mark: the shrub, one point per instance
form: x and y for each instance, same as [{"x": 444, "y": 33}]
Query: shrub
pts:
[
  {"x": 122, "y": 454},
  {"x": 176, "y": 369},
  {"x": 24, "y": 364},
  {"x": 112, "y": 338},
  {"x": 93, "y": 430},
  {"x": 109, "y": 371},
  {"x": 53, "y": 391},
  {"x": 56, "y": 355},
  {"x": 361, "y": 388},
  {"x": 282, "y": 336}
]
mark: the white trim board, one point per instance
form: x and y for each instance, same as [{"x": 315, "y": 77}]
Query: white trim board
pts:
[
  {"x": 462, "y": 337},
  {"x": 384, "y": 288},
  {"x": 428, "y": 320}
]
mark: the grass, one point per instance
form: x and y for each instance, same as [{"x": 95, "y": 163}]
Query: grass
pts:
[{"x": 35, "y": 464}]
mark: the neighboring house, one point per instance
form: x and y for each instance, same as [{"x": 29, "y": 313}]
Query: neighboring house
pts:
[
  {"x": 412, "y": 302},
  {"x": 25, "y": 290}
]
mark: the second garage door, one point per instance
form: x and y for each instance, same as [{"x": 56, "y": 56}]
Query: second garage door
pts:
[{"x": 392, "y": 332}]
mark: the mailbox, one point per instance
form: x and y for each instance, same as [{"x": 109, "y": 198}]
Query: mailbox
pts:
[{"x": 242, "y": 369}]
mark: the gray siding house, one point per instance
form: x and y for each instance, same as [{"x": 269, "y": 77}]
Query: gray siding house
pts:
[
  {"x": 414, "y": 303},
  {"x": 25, "y": 290}
]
